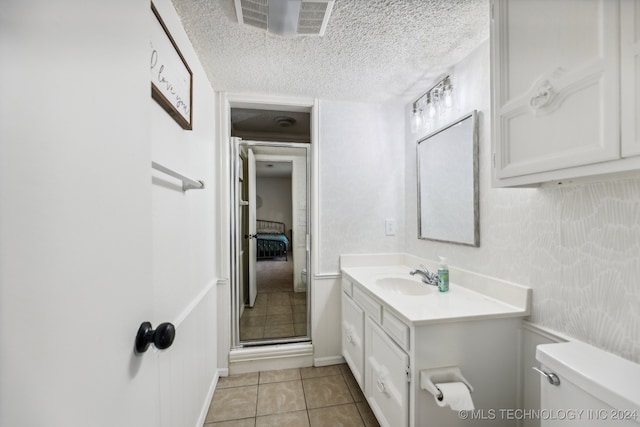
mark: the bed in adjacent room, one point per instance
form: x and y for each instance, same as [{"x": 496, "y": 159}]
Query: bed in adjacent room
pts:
[{"x": 272, "y": 240}]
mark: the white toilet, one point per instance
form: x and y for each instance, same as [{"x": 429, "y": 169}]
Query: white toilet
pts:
[{"x": 594, "y": 388}]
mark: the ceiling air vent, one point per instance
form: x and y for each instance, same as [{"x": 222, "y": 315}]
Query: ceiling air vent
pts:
[{"x": 286, "y": 17}]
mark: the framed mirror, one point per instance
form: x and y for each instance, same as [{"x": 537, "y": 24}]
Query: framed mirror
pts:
[{"x": 447, "y": 172}]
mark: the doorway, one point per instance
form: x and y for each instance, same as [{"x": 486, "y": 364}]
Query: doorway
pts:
[{"x": 271, "y": 290}]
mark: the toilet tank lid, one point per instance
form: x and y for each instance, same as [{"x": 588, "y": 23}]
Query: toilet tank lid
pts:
[{"x": 610, "y": 378}]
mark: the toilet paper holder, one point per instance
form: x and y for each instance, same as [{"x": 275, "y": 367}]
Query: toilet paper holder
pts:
[{"x": 448, "y": 374}]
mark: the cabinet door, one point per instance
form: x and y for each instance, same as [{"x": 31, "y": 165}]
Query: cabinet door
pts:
[
  {"x": 555, "y": 84},
  {"x": 630, "y": 76},
  {"x": 386, "y": 385},
  {"x": 352, "y": 337}
]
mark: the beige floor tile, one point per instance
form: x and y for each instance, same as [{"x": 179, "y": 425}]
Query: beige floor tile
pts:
[
  {"x": 247, "y": 422},
  {"x": 261, "y": 298},
  {"x": 367, "y": 415},
  {"x": 300, "y": 317},
  {"x": 251, "y": 332},
  {"x": 280, "y": 397},
  {"x": 300, "y": 329},
  {"x": 322, "y": 371},
  {"x": 252, "y": 320},
  {"x": 278, "y": 331},
  {"x": 289, "y": 419},
  {"x": 278, "y": 309},
  {"x": 233, "y": 404},
  {"x": 279, "y": 298},
  {"x": 255, "y": 311},
  {"x": 354, "y": 388},
  {"x": 298, "y": 298},
  {"x": 299, "y": 308},
  {"x": 326, "y": 391},
  {"x": 278, "y": 319},
  {"x": 279, "y": 375},
  {"x": 336, "y": 416},
  {"x": 237, "y": 380}
]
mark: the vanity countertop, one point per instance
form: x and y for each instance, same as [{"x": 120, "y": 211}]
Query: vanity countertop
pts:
[{"x": 460, "y": 303}]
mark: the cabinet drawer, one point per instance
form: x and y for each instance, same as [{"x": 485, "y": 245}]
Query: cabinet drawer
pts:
[
  {"x": 396, "y": 329},
  {"x": 368, "y": 304},
  {"x": 347, "y": 286}
]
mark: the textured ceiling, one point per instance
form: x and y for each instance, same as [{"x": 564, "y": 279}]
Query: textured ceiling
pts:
[{"x": 372, "y": 51}]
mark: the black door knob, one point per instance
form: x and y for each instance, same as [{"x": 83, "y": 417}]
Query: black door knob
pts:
[{"x": 162, "y": 337}]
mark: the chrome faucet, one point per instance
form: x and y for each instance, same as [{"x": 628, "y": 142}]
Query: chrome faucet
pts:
[{"x": 428, "y": 278}]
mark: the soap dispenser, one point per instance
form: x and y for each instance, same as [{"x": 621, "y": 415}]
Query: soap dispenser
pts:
[{"x": 443, "y": 275}]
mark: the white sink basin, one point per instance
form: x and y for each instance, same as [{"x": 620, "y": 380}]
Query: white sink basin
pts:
[{"x": 404, "y": 286}]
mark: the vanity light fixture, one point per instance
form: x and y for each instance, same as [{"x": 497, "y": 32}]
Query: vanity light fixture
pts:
[{"x": 432, "y": 104}]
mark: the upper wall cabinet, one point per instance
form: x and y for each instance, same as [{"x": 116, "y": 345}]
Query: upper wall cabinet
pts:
[
  {"x": 564, "y": 79},
  {"x": 630, "y": 76}
]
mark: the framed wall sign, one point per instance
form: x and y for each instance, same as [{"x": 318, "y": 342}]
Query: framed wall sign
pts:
[{"x": 171, "y": 77}]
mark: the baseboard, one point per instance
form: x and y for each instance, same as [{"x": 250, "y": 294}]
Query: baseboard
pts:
[
  {"x": 326, "y": 361},
  {"x": 207, "y": 402},
  {"x": 282, "y": 356}
]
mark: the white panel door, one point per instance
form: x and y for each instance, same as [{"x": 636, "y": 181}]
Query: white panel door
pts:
[
  {"x": 251, "y": 176},
  {"x": 555, "y": 84},
  {"x": 75, "y": 215}
]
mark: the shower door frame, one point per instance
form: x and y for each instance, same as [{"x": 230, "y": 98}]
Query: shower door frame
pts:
[{"x": 236, "y": 245}]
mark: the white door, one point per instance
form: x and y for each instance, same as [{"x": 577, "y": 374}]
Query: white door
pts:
[
  {"x": 75, "y": 215},
  {"x": 253, "y": 243}
]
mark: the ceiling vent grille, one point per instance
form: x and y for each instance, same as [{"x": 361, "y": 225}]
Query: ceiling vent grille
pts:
[{"x": 312, "y": 15}]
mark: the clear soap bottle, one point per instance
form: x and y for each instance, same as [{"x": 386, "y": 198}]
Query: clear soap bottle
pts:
[{"x": 443, "y": 275}]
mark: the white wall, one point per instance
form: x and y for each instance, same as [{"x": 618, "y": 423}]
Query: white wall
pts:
[
  {"x": 276, "y": 200},
  {"x": 90, "y": 246},
  {"x": 361, "y": 183},
  {"x": 184, "y": 236},
  {"x": 577, "y": 247},
  {"x": 361, "y": 179}
]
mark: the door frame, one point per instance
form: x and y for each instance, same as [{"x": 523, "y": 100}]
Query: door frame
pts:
[{"x": 230, "y": 334}]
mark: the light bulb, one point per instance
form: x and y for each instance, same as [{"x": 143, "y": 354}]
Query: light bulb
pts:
[
  {"x": 416, "y": 119},
  {"x": 447, "y": 96}
]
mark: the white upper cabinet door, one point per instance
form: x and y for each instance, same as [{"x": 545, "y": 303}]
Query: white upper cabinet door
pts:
[
  {"x": 630, "y": 76},
  {"x": 555, "y": 84}
]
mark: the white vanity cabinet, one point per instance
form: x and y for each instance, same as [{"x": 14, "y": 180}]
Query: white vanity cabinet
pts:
[
  {"x": 379, "y": 364},
  {"x": 564, "y": 94},
  {"x": 393, "y": 331}
]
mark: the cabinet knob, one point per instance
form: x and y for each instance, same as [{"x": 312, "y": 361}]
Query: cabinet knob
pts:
[{"x": 380, "y": 386}]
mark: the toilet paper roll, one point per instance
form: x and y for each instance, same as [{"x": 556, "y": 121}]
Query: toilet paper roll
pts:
[{"x": 456, "y": 395}]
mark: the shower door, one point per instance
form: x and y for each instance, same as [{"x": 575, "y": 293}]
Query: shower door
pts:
[{"x": 270, "y": 298}]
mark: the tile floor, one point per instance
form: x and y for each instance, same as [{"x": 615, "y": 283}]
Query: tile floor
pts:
[
  {"x": 275, "y": 315},
  {"x": 305, "y": 397}
]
